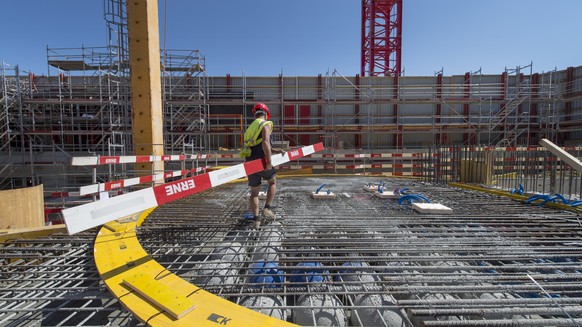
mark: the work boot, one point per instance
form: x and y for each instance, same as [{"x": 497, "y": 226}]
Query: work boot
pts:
[
  {"x": 256, "y": 223},
  {"x": 268, "y": 214}
]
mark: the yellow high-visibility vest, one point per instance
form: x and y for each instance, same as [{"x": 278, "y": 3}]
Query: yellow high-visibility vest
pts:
[
  {"x": 251, "y": 137},
  {"x": 252, "y": 133}
]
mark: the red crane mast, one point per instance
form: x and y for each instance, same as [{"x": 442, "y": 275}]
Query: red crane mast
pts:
[{"x": 381, "y": 37}]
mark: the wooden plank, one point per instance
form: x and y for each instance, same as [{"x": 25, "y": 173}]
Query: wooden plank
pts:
[
  {"x": 323, "y": 195},
  {"x": 115, "y": 226},
  {"x": 435, "y": 208},
  {"x": 562, "y": 154},
  {"x": 371, "y": 188},
  {"x": 22, "y": 208},
  {"x": 161, "y": 295},
  {"x": 387, "y": 195}
]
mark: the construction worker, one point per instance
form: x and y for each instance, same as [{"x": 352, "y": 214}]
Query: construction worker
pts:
[{"x": 257, "y": 137}]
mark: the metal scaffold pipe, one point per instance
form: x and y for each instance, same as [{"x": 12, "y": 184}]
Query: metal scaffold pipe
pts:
[
  {"x": 507, "y": 323},
  {"x": 482, "y": 302},
  {"x": 529, "y": 310}
]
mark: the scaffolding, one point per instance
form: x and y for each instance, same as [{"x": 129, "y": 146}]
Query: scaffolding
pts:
[
  {"x": 93, "y": 110},
  {"x": 511, "y": 119},
  {"x": 185, "y": 100},
  {"x": 8, "y": 90},
  {"x": 83, "y": 106},
  {"x": 378, "y": 112},
  {"x": 75, "y": 112}
]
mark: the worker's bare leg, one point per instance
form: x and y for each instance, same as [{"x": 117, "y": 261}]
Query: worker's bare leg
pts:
[
  {"x": 267, "y": 212},
  {"x": 254, "y": 200}
]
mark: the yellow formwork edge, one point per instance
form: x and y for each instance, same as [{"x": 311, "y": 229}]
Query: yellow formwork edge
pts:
[
  {"x": 487, "y": 190},
  {"x": 119, "y": 256},
  {"x": 143, "y": 215},
  {"x": 514, "y": 196}
]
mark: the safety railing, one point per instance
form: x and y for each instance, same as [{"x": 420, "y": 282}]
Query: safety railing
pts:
[
  {"x": 155, "y": 177},
  {"x": 434, "y": 164}
]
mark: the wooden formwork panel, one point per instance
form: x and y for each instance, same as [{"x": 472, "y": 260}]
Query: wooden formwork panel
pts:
[{"x": 22, "y": 208}]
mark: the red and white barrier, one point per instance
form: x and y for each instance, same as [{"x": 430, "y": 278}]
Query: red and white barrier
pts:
[
  {"x": 64, "y": 194},
  {"x": 109, "y": 160},
  {"x": 365, "y": 155},
  {"x": 340, "y": 156},
  {"x": 113, "y": 185},
  {"x": 94, "y": 214}
]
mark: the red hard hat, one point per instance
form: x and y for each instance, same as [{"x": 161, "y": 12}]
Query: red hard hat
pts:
[{"x": 262, "y": 107}]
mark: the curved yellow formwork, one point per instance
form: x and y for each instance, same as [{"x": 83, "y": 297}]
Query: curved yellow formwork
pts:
[
  {"x": 156, "y": 296},
  {"x": 513, "y": 196}
]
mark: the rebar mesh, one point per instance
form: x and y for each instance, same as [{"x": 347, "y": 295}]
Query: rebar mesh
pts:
[
  {"x": 355, "y": 260},
  {"x": 358, "y": 260},
  {"x": 53, "y": 281}
]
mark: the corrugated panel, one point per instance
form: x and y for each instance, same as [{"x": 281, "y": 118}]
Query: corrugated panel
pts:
[
  {"x": 416, "y": 109},
  {"x": 384, "y": 89},
  {"x": 263, "y": 88},
  {"x": 307, "y": 81},
  {"x": 482, "y": 109},
  {"x": 418, "y": 139},
  {"x": 378, "y": 140},
  {"x": 344, "y": 92},
  {"x": 486, "y": 86},
  {"x": 559, "y": 76},
  {"x": 299, "y": 88},
  {"x": 343, "y": 114},
  {"x": 576, "y": 137},
  {"x": 454, "y": 138},
  {"x": 417, "y": 88},
  {"x": 418, "y": 80}
]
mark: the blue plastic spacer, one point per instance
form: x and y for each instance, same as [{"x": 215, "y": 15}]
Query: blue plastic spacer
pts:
[
  {"x": 561, "y": 197},
  {"x": 412, "y": 197},
  {"x": 535, "y": 198}
]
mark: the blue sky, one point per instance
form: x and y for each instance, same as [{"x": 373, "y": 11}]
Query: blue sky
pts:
[{"x": 310, "y": 37}]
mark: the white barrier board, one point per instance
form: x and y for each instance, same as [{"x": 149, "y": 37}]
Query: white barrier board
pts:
[{"x": 87, "y": 216}]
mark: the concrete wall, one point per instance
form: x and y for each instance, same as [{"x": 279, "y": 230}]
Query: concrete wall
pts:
[{"x": 22, "y": 208}]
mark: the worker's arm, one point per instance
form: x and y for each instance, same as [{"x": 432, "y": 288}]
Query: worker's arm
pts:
[{"x": 267, "y": 145}]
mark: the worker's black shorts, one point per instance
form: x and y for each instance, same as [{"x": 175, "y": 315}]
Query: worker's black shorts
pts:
[{"x": 255, "y": 179}]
